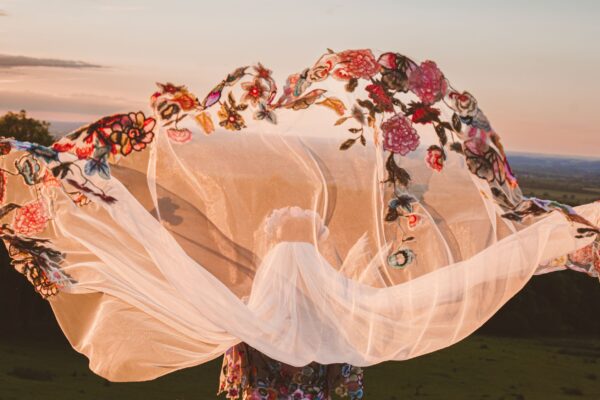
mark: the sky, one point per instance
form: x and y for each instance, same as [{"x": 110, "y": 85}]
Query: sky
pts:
[{"x": 533, "y": 65}]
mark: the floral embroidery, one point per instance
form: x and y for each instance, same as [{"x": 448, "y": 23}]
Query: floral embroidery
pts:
[
  {"x": 357, "y": 64},
  {"x": 435, "y": 158},
  {"x": 250, "y": 375},
  {"x": 428, "y": 82},
  {"x": 179, "y": 135},
  {"x": 31, "y": 218},
  {"x": 399, "y": 135}
]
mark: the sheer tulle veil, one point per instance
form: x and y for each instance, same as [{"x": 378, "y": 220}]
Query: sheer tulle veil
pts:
[{"x": 364, "y": 211}]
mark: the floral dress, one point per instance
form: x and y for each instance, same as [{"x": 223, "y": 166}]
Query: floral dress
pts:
[{"x": 248, "y": 374}]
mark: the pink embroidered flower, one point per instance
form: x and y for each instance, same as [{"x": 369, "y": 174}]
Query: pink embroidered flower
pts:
[
  {"x": 583, "y": 256},
  {"x": 428, "y": 82},
  {"x": 380, "y": 97},
  {"x": 358, "y": 64},
  {"x": 179, "y": 135},
  {"x": 399, "y": 136},
  {"x": 435, "y": 158},
  {"x": 30, "y": 218}
]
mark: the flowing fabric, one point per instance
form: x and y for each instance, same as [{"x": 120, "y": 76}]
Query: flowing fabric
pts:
[{"x": 365, "y": 212}]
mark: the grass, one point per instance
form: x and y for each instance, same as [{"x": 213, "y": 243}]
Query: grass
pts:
[{"x": 480, "y": 367}]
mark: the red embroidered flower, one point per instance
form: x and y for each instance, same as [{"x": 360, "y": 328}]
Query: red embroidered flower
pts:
[
  {"x": 435, "y": 158},
  {"x": 413, "y": 220},
  {"x": 61, "y": 146},
  {"x": 423, "y": 114},
  {"x": 4, "y": 148},
  {"x": 399, "y": 136},
  {"x": 84, "y": 152},
  {"x": 30, "y": 218},
  {"x": 357, "y": 64},
  {"x": 254, "y": 92},
  {"x": 380, "y": 97},
  {"x": 428, "y": 82},
  {"x": 179, "y": 135}
]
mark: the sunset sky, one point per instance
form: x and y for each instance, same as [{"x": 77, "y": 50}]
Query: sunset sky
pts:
[{"x": 533, "y": 65}]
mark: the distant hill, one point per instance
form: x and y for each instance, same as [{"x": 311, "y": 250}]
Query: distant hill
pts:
[
  {"x": 61, "y": 128},
  {"x": 570, "y": 180}
]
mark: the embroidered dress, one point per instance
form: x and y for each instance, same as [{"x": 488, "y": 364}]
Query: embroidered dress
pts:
[
  {"x": 361, "y": 210},
  {"x": 250, "y": 375}
]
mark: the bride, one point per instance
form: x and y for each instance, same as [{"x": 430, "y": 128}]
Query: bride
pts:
[{"x": 363, "y": 212}]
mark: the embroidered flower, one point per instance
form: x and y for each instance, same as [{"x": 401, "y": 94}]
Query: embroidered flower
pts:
[
  {"x": 401, "y": 258},
  {"x": 31, "y": 218},
  {"x": 50, "y": 180},
  {"x": 62, "y": 147},
  {"x": 5, "y": 148},
  {"x": 84, "y": 152},
  {"x": 395, "y": 69},
  {"x": 357, "y": 64},
  {"x": 435, "y": 158},
  {"x": 380, "y": 97},
  {"x": 428, "y": 82},
  {"x": 230, "y": 119},
  {"x": 262, "y": 72},
  {"x": 185, "y": 100},
  {"x": 255, "y": 91},
  {"x": 463, "y": 103},
  {"x": 29, "y": 168},
  {"x": 583, "y": 256},
  {"x": 323, "y": 67},
  {"x": 423, "y": 113},
  {"x": 399, "y": 136},
  {"x": 130, "y": 132},
  {"x": 413, "y": 220},
  {"x": 179, "y": 135}
]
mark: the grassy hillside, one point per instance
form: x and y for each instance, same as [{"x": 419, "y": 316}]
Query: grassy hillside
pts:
[{"x": 477, "y": 368}]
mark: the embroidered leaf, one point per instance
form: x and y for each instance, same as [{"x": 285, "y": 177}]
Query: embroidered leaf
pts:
[
  {"x": 456, "y": 123},
  {"x": 457, "y": 147},
  {"x": 395, "y": 173},
  {"x": 363, "y": 140},
  {"x": 306, "y": 100},
  {"x": 235, "y": 76},
  {"x": 341, "y": 121},
  {"x": 441, "y": 132},
  {"x": 205, "y": 121},
  {"x": 335, "y": 104},
  {"x": 355, "y": 130},
  {"x": 7, "y": 209},
  {"x": 347, "y": 144},
  {"x": 391, "y": 215},
  {"x": 351, "y": 85}
]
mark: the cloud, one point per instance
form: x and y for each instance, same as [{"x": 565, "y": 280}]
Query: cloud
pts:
[
  {"x": 82, "y": 104},
  {"x": 8, "y": 61}
]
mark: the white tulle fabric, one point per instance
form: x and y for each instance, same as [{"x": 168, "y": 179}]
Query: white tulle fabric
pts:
[
  {"x": 276, "y": 238},
  {"x": 251, "y": 247}
]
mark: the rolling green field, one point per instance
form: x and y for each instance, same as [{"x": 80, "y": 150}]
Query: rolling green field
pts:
[{"x": 478, "y": 368}]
